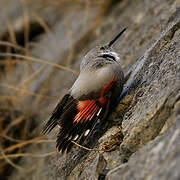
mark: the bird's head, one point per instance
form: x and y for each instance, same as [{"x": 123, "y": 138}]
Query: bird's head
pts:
[{"x": 104, "y": 52}]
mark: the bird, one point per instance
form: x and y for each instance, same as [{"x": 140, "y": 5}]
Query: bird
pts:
[{"x": 90, "y": 98}]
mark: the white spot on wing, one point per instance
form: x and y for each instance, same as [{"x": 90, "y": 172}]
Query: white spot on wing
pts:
[
  {"x": 70, "y": 137},
  {"x": 75, "y": 138},
  {"x": 87, "y": 132},
  {"x": 91, "y": 117},
  {"x": 99, "y": 112}
]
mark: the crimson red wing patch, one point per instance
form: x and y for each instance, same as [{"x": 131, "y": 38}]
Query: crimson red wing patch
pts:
[{"x": 87, "y": 109}]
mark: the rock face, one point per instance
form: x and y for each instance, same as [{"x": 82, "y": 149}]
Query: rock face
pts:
[
  {"x": 142, "y": 134},
  {"x": 158, "y": 159}
]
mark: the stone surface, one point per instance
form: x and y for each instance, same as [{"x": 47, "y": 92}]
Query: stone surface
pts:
[
  {"x": 143, "y": 131},
  {"x": 158, "y": 159},
  {"x": 158, "y": 81}
]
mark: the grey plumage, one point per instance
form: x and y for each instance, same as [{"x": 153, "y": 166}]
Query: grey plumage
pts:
[{"x": 96, "y": 70}]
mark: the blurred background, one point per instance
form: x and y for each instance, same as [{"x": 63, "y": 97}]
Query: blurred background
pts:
[{"x": 42, "y": 43}]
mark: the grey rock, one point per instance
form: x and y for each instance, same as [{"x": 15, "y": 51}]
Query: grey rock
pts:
[
  {"x": 156, "y": 160},
  {"x": 157, "y": 76}
]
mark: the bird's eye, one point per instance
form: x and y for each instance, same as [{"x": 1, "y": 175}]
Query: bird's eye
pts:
[
  {"x": 107, "y": 56},
  {"x": 102, "y": 48}
]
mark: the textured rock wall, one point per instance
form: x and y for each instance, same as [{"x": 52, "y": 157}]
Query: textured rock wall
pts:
[{"x": 143, "y": 131}]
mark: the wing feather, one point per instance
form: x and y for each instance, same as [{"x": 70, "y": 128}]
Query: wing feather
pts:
[{"x": 58, "y": 111}]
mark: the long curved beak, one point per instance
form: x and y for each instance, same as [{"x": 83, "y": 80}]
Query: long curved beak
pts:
[{"x": 116, "y": 37}]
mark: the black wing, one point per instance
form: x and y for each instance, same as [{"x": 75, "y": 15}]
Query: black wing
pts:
[
  {"x": 76, "y": 125},
  {"x": 58, "y": 111}
]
